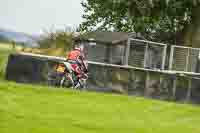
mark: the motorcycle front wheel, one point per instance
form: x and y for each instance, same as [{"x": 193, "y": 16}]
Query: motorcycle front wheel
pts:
[{"x": 66, "y": 83}]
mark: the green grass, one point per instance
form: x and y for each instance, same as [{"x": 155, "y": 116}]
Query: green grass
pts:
[
  {"x": 36, "y": 109},
  {"x": 4, "y": 53}
]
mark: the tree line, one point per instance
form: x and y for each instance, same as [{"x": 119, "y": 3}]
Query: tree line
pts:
[{"x": 169, "y": 21}]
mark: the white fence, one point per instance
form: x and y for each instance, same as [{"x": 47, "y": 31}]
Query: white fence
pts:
[
  {"x": 133, "y": 52},
  {"x": 146, "y": 54},
  {"x": 184, "y": 59}
]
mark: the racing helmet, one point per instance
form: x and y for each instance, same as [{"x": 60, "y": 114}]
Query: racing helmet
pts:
[{"x": 79, "y": 48}]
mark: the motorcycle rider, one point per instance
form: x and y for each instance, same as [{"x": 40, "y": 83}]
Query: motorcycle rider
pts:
[{"x": 76, "y": 59}]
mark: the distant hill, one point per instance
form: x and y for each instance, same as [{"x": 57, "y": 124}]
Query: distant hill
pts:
[
  {"x": 19, "y": 37},
  {"x": 3, "y": 39}
]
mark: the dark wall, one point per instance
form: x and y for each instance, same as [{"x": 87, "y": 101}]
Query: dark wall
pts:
[{"x": 27, "y": 69}]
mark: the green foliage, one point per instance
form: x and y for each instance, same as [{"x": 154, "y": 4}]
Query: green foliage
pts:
[
  {"x": 59, "y": 39},
  {"x": 27, "y": 108},
  {"x": 2, "y": 66},
  {"x": 160, "y": 20}
]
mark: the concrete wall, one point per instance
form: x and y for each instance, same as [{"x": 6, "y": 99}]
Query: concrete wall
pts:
[{"x": 112, "y": 78}]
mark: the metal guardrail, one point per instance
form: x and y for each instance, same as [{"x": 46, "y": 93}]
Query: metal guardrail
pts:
[{"x": 113, "y": 65}]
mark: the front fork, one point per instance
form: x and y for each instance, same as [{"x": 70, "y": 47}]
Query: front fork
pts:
[
  {"x": 81, "y": 82},
  {"x": 67, "y": 76}
]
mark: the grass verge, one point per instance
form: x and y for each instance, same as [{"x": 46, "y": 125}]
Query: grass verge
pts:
[
  {"x": 36, "y": 109},
  {"x": 4, "y": 53}
]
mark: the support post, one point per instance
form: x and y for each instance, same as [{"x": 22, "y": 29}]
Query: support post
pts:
[
  {"x": 160, "y": 82},
  {"x": 164, "y": 57},
  {"x": 110, "y": 57},
  {"x": 189, "y": 90},
  {"x": 187, "y": 60},
  {"x": 171, "y": 58},
  {"x": 146, "y": 92},
  {"x": 145, "y": 55},
  {"x": 174, "y": 87},
  {"x": 127, "y": 52}
]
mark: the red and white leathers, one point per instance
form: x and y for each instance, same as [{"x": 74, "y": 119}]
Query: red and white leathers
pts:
[
  {"x": 76, "y": 59},
  {"x": 75, "y": 54}
]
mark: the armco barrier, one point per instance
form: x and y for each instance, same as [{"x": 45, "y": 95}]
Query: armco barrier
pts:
[{"x": 164, "y": 85}]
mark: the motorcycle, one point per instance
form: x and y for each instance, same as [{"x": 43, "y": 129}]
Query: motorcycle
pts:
[{"x": 64, "y": 75}]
